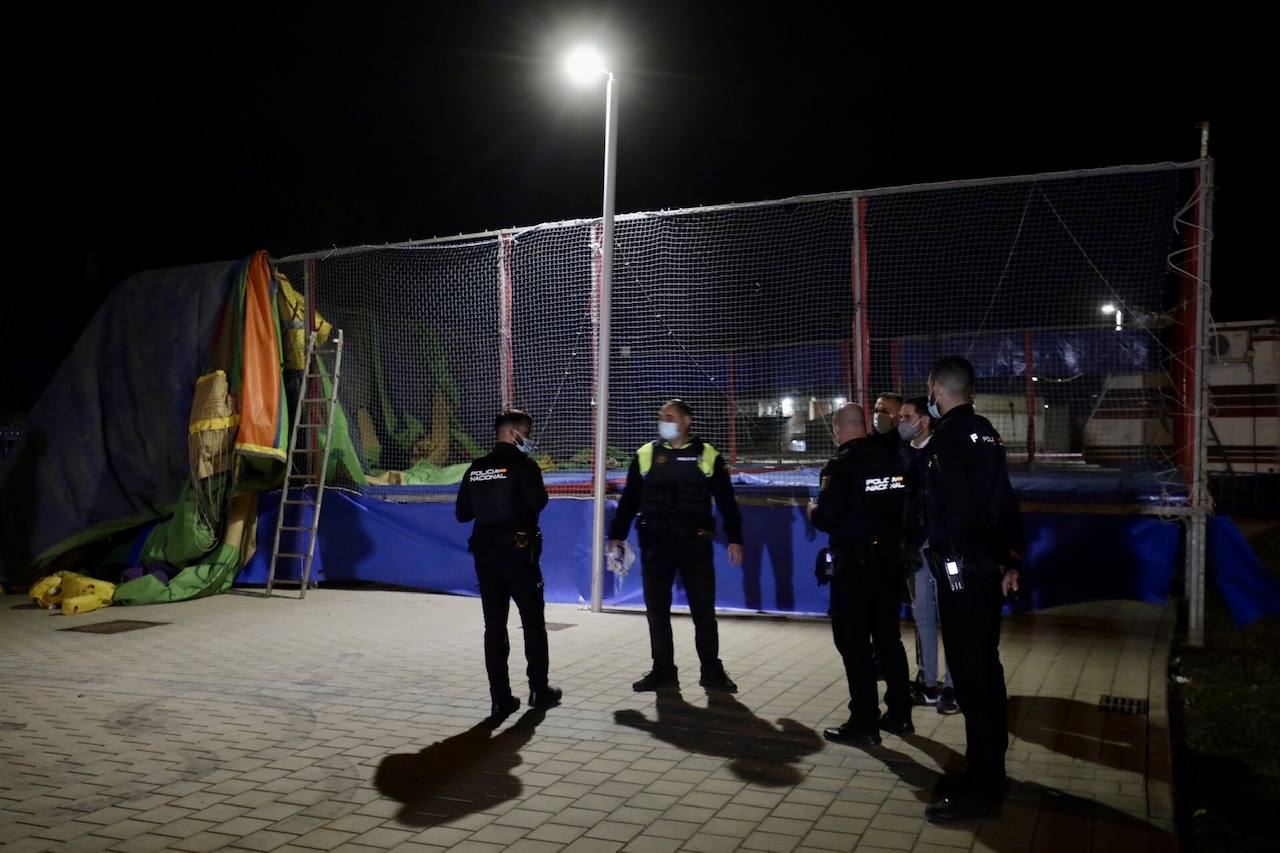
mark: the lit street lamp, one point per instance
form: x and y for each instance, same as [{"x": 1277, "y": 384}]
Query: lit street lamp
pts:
[
  {"x": 1110, "y": 309},
  {"x": 585, "y": 65}
]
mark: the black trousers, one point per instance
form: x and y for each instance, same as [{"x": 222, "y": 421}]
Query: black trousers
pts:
[
  {"x": 971, "y": 638},
  {"x": 662, "y": 557},
  {"x": 507, "y": 574},
  {"x": 866, "y": 599}
]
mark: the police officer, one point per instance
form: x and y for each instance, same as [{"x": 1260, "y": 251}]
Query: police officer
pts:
[
  {"x": 503, "y": 493},
  {"x": 885, "y": 415},
  {"x": 975, "y": 532},
  {"x": 859, "y": 504},
  {"x": 670, "y": 484}
]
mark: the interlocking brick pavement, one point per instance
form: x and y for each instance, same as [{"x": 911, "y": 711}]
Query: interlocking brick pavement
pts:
[{"x": 352, "y": 721}]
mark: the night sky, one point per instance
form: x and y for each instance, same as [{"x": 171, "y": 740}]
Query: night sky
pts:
[{"x": 147, "y": 141}]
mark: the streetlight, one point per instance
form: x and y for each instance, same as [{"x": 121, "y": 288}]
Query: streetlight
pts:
[
  {"x": 585, "y": 65},
  {"x": 1109, "y": 309}
]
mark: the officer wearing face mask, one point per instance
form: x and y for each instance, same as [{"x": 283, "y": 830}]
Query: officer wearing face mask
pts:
[
  {"x": 670, "y": 485},
  {"x": 503, "y": 493},
  {"x": 859, "y": 504},
  {"x": 885, "y": 415},
  {"x": 974, "y": 530}
]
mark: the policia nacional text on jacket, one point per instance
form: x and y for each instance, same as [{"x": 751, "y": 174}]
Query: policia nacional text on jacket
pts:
[{"x": 504, "y": 494}]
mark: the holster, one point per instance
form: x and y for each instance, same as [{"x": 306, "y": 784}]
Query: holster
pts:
[{"x": 529, "y": 544}]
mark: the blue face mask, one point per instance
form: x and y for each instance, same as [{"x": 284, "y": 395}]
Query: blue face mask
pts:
[
  {"x": 525, "y": 444},
  {"x": 668, "y": 430},
  {"x": 934, "y": 412}
]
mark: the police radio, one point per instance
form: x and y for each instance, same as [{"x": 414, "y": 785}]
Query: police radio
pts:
[{"x": 824, "y": 567}]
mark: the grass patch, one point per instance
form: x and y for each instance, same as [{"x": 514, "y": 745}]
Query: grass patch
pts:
[{"x": 1226, "y": 724}]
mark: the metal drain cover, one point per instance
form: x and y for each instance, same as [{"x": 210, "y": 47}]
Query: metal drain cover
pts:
[
  {"x": 1123, "y": 705},
  {"x": 118, "y": 626},
  {"x": 559, "y": 626}
]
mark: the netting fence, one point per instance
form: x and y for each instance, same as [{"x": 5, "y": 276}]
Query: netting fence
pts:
[{"x": 1064, "y": 290}]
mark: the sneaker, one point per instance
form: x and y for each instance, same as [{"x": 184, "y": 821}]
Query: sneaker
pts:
[
  {"x": 656, "y": 679},
  {"x": 852, "y": 735},
  {"x": 923, "y": 695},
  {"x": 503, "y": 707},
  {"x": 901, "y": 728},
  {"x": 547, "y": 697},
  {"x": 947, "y": 703},
  {"x": 718, "y": 681}
]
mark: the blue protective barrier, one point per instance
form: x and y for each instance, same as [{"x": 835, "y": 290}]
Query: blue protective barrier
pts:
[
  {"x": 1251, "y": 591},
  {"x": 1070, "y": 557}
]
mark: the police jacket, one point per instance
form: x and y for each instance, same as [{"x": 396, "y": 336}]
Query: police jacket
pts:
[
  {"x": 672, "y": 489},
  {"x": 914, "y": 462},
  {"x": 970, "y": 507},
  {"x": 860, "y": 496},
  {"x": 502, "y": 492}
]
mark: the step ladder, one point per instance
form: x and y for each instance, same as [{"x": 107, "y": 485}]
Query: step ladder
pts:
[{"x": 307, "y": 463}]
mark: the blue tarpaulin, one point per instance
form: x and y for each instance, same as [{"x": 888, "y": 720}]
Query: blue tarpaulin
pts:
[
  {"x": 105, "y": 448},
  {"x": 1251, "y": 591},
  {"x": 1070, "y": 558}
]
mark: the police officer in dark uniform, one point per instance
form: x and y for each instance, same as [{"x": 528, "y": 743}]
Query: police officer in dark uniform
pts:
[
  {"x": 885, "y": 414},
  {"x": 975, "y": 536},
  {"x": 670, "y": 484},
  {"x": 503, "y": 493},
  {"x": 859, "y": 504}
]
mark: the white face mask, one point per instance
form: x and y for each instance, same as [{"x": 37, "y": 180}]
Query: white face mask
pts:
[{"x": 669, "y": 430}]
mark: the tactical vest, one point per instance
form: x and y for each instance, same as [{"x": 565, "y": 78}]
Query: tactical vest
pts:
[{"x": 677, "y": 483}]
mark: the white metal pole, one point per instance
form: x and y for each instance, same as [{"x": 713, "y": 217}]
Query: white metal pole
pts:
[
  {"x": 602, "y": 357},
  {"x": 1201, "y": 501},
  {"x": 859, "y": 389}
]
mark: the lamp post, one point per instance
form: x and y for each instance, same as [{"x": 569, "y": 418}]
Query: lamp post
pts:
[
  {"x": 1110, "y": 309},
  {"x": 585, "y": 65}
]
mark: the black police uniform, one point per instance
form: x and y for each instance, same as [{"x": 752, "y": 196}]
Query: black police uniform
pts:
[
  {"x": 671, "y": 489},
  {"x": 860, "y": 506},
  {"x": 914, "y": 461},
  {"x": 503, "y": 493},
  {"x": 972, "y": 520}
]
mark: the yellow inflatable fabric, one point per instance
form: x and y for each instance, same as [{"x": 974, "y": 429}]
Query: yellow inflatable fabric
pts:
[{"x": 73, "y": 592}]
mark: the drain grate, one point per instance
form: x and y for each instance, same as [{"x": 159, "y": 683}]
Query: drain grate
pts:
[
  {"x": 1123, "y": 705},
  {"x": 118, "y": 626},
  {"x": 559, "y": 626},
  {"x": 7, "y": 726}
]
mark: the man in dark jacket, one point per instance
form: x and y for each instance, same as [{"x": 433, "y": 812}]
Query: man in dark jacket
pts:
[
  {"x": 975, "y": 537},
  {"x": 503, "y": 493},
  {"x": 859, "y": 505}
]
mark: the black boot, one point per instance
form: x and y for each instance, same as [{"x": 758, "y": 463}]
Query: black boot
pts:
[
  {"x": 715, "y": 678},
  {"x": 545, "y": 697},
  {"x": 656, "y": 679},
  {"x": 893, "y": 726},
  {"x": 852, "y": 735},
  {"x": 502, "y": 707},
  {"x": 962, "y": 806}
]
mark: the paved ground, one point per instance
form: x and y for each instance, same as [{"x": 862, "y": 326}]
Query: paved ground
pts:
[{"x": 350, "y": 721}]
